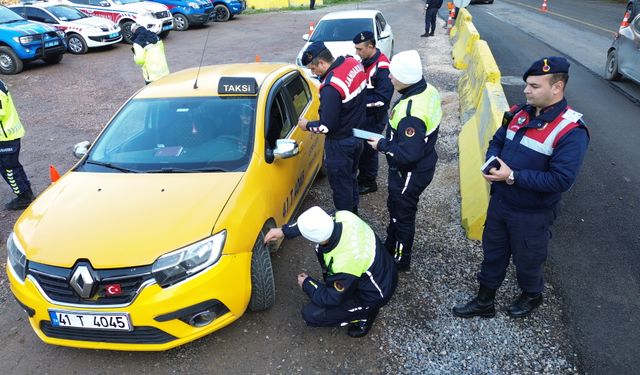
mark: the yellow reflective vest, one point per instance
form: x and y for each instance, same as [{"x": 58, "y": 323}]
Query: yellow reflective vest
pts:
[
  {"x": 152, "y": 59},
  {"x": 10, "y": 126}
]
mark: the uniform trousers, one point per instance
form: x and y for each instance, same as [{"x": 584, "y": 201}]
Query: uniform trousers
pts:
[
  {"x": 430, "y": 21},
  {"x": 404, "y": 193},
  {"x": 341, "y": 160},
  {"x": 519, "y": 234},
  {"x": 10, "y": 167},
  {"x": 368, "y": 165}
]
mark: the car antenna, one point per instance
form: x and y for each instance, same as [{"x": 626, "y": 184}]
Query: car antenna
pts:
[{"x": 195, "y": 84}]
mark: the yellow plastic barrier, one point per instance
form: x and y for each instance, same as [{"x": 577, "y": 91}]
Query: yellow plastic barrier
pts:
[
  {"x": 463, "y": 17},
  {"x": 466, "y": 36},
  {"x": 472, "y": 143},
  {"x": 481, "y": 68}
]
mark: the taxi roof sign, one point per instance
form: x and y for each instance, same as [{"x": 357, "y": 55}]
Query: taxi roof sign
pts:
[{"x": 241, "y": 86}]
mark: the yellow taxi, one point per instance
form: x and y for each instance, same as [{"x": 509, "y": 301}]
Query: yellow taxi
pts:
[{"x": 155, "y": 237}]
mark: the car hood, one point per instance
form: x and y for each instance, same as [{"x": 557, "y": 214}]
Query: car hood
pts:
[
  {"x": 122, "y": 220},
  {"x": 95, "y": 22},
  {"x": 144, "y": 6},
  {"x": 25, "y": 28},
  {"x": 336, "y": 48}
]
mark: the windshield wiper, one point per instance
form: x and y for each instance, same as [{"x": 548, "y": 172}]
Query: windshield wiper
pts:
[
  {"x": 183, "y": 170},
  {"x": 112, "y": 166}
]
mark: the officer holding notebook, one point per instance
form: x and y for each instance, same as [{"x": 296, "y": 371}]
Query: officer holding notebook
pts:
[
  {"x": 539, "y": 149},
  {"x": 410, "y": 150}
]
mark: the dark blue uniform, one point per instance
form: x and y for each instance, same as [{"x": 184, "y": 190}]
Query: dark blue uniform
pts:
[
  {"x": 545, "y": 153},
  {"x": 378, "y": 96},
  {"x": 430, "y": 16}
]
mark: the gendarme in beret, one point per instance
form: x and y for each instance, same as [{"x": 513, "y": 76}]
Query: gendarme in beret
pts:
[
  {"x": 363, "y": 36},
  {"x": 312, "y": 52},
  {"x": 547, "y": 65}
]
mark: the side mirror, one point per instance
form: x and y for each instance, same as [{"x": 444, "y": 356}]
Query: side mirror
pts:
[
  {"x": 286, "y": 148},
  {"x": 305, "y": 37},
  {"x": 385, "y": 34},
  {"x": 104, "y": 4},
  {"x": 80, "y": 149}
]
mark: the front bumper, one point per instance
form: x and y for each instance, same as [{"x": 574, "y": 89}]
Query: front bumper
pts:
[
  {"x": 103, "y": 39},
  {"x": 201, "y": 18},
  {"x": 154, "y": 313},
  {"x": 157, "y": 25}
]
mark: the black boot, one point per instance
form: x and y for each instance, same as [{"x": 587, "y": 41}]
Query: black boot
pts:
[
  {"x": 367, "y": 187},
  {"x": 22, "y": 201},
  {"x": 426, "y": 34},
  {"x": 524, "y": 305},
  {"x": 362, "y": 327},
  {"x": 482, "y": 305}
]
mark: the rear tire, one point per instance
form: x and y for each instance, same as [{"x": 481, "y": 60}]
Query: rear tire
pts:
[
  {"x": 611, "y": 72},
  {"x": 76, "y": 44},
  {"x": 181, "y": 22},
  {"x": 222, "y": 13},
  {"x": 263, "y": 289},
  {"x": 164, "y": 34},
  {"x": 10, "y": 63},
  {"x": 52, "y": 60}
]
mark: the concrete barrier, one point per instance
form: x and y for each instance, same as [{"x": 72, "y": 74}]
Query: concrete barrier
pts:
[
  {"x": 466, "y": 36},
  {"x": 481, "y": 68},
  {"x": 472, "y": 143},
  {"x": 463, "y": 17}
]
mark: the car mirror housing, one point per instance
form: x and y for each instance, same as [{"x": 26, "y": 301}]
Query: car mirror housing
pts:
[
  {"x": 305, "y": 37},
  {"x": 104, "y": 4},
  {"x": 286, "y": 148},
  {"x": 80, "y": 149}
]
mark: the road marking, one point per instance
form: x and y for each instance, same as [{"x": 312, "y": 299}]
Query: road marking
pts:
[{"x": 563, "y": 16}]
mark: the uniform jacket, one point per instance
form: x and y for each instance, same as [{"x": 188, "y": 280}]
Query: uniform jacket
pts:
[
  {"x": 544, "y": 152},
  {"x": 379, "y": 87},
  {"x": 10, "y": 126},
  {"x": 148, "y": 51},
  {"x": 434, "y": 4},
  {"x": 372, "y": 288},
  {"x": 411, "y": 146},
  {"x": 342, "y": 99}
]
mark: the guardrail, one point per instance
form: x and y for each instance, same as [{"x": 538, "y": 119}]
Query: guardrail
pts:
[{"x": 482, "y": 105}]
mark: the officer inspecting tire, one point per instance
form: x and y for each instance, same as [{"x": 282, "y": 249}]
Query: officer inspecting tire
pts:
[
  {"x": 148, "y": 51},
  {"x": 12, "y": 171},
  {"x": 359, "y": 275},
  {"x": 342, "y": 108},
  {"x": 410, "y": 150},
  {"x": 540, "y": 148},
  {"x": 378, "y": 96}
]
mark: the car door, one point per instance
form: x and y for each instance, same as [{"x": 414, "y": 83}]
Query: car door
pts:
[
  {"x": 383, "y": 35},
  {"x": 635, "y": 46}
]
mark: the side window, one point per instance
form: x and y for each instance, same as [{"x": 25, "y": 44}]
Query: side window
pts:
[
  {"x": 279, "y": 122},
  {"x": 378, "y": 27},
  {"x": 39, "y": 15},
  {"x": 382, "y": 21},
  {"x": 95, "y": 2},
  {"x": 300, "y": 94},
  {"x": 85, "y": 2}
]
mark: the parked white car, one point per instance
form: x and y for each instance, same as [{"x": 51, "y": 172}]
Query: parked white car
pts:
[
  {"x": 154, "y": 16},
  {"x": 337, "y": 30},
  {"x": 82, "y": 31}
]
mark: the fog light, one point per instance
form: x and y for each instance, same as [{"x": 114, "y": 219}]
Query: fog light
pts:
[{"x": 201, "y": 319}]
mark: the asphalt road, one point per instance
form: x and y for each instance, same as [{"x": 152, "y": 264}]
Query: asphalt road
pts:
[{"x": 593, "y": 260}]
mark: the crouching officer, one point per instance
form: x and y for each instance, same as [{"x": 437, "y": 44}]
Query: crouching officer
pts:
[
  {"x": 358, "y": 273},
  {"x": 410, "y": 150},
  {"x": 148, "y": 51},
  {"x": 540, "y": 150},
  {"x": 342, "y": 108},
  {"x": 378, "y": 96},
  {"x": 10, "y": 167}
]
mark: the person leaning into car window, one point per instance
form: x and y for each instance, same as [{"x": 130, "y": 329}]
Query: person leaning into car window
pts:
[
  {"x": 148, "y": 51},
  {"x": 359, "y": 275}
]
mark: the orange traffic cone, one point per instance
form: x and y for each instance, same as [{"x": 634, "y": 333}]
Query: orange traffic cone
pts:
[
  {"x": 625, "y": 20},
  {"x": 311, "y": 28},
  {"x": 258, "y": 58},
  {"x": 544, "y": 9},
  {"x": 53, "y": 173},
  {"x": 450, "y": 21}
]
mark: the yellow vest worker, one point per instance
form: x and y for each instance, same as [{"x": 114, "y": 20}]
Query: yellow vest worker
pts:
[
  {"x": 148, "y": 51},
  {"x": 11, "y": 131}
]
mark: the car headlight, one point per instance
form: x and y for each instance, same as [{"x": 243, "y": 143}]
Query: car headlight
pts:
[
  {"x": 194, "y": 5},
  {"x": 24, "y": 39},
  {"x": 188, "y": 261},
  {"x": 16, "y": 257}
]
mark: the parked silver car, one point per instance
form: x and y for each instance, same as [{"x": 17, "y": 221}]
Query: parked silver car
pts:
[{"x": 623, "y": 58}]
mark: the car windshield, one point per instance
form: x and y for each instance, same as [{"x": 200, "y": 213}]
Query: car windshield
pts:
[
  {"x": 66, "y": 13},
  {"x": 7, "y": 15},
  {"x": 198, "y": 134},
  {"x": 341, "y": 29},
  {"x": 127, "y": 1}
]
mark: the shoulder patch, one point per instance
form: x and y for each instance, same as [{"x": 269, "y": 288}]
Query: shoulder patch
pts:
[
  {"x": 410, "y": 132},
  {"x": 337, "y": 285}
]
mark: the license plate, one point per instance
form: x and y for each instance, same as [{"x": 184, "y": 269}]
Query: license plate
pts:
[
  {"x": 51, "y": 44},
  {"x": 168, "y": 27},
  {"x": 113, "y": 35},
  {"x": 83, "y": 319}
]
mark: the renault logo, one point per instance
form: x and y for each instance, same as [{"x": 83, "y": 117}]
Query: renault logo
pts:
[{"x": 82, "y": 281}]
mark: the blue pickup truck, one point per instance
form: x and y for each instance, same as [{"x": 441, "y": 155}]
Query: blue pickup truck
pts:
[
  {"x": 188, "y": 13},
  {"x": 22, "y": 41}
]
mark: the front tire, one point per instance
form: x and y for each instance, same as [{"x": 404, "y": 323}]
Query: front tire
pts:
[
  {"x": 181, "y": 22},
  {"x": 611, "y": 72},
  {"x": 222, "y": 13},
  {"x": 164, "y": 34},
  {"x": 52, "y": 60},
  {"x": 263, "y": 289},
  {"x": 127, "y": 35},
  {"x": 10, "y": 63},
  {"x": 76, "y": 44}
]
